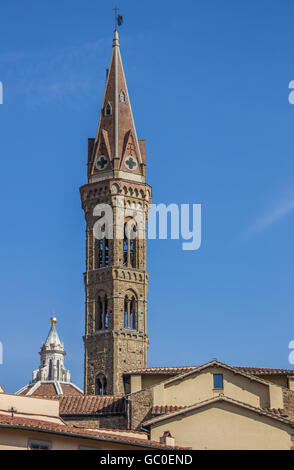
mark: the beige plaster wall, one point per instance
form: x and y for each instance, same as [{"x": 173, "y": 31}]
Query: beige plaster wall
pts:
[
  {"x": 30, "y": 407},
  {"x": 13, "y": 439},
  {"x": 199, "y": 387},
  {"x": 225, "y": 426}
]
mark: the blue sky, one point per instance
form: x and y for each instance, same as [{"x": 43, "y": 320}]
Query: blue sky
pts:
[{"x": 208, "y": 81}]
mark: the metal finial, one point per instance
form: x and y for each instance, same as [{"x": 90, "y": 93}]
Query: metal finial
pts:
[{"x": 53, "y": 320}]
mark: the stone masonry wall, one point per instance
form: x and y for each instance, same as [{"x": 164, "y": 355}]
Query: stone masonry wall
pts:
[
  {"x": 109, "y": 422},
  {"x": 288, "y": 398},
  {"x": 142, "y": 402}
]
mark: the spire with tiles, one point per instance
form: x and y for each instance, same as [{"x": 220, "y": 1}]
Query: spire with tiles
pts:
[{"x": 116, "y": 150}]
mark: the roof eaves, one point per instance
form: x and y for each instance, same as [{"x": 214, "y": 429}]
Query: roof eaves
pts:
[{"x": 137, "y": 442}]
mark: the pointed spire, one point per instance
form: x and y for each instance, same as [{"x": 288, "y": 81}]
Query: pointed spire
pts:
[
  {"x": 116, "y": 147},
  {"x": 52, "y": 358},
  {"x": 53, "y": 340}
]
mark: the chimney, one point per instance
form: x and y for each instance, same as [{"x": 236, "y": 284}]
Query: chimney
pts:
[{"x": 167, "y": 439}]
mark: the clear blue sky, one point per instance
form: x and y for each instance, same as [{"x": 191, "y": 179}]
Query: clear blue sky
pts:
[{"x": 208, "y": 82}]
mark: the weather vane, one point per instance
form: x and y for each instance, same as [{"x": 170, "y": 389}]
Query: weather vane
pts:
[{"x": 118, "y": 19}]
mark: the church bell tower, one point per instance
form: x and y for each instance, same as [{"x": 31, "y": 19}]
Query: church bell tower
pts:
[{"x": 116, "y": 280}]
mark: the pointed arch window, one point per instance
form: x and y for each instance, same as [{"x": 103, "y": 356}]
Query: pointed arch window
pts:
[
  {"x": 130, "y": 311},
  {"x": 50, "y": 370},
  {"x": 108, "y": 109},
  {"x": 122, "y": 96},
  {"x": 102, "y": 315},
  {"x": 101, "y": 385},
  {"x": 129, "y": 245}
]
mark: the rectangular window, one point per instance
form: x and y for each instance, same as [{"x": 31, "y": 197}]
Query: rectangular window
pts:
[
  {"x": 39, "y": 445},
  {"x": 218, "y": 381}
]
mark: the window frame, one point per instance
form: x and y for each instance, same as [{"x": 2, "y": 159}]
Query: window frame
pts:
[
  {"x": 39, "y": 442},
  {"x": 215, "y": 378}
]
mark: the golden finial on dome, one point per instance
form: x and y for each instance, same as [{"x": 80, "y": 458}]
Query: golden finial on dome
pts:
[{"x": 53, "y": 320}]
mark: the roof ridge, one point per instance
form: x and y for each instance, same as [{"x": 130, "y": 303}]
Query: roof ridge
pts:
[{"x": 217, "y": 398}]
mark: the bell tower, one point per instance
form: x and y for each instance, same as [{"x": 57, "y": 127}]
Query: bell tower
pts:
[{"x": 116, "y": 280}]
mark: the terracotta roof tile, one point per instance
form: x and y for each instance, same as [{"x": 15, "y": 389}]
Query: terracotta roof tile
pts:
[
  {"x": 179, "y": 370},
  {"x": 45, "y": 426},
  {"x": 162, "y": 409},
  {"x": 264, "y": 370},
  {"x": 68, "y": 389},
  {"x": 160, "y": 370},
  {"x": 277, "y": 411},
  {"x": 49, "y": 389},
  {"x": 90, "y": 404}
]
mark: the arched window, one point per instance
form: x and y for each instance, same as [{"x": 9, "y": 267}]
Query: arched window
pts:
[
  {"x": 130, "y": 236},
  {"x": 133, "y": 251},
  {"x": 100, "y": 385},
  {"x": 122, "y": 96},
  {"x": 50, "y": 370},
  {"x": 102, "y": 317},
  {"x": 108, "y": 109},
  {"x": 130, "y": 311},
  {"x": 126, "y": 314}
]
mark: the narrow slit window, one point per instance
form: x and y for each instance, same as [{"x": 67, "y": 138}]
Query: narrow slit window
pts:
[{"x": 108, "y": 110}]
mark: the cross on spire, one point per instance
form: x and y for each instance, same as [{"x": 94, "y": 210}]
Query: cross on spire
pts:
[{"x": 115, "y": 17}]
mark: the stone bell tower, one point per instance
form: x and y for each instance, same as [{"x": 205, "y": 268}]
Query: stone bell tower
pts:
[{"x": 116, "y": 280}]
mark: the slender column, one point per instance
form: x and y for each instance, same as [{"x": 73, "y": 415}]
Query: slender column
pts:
[
  {"x": 103, "y": 252},
  {"x": 129, "y": 311},
  {"x": 129, "y": 253}
]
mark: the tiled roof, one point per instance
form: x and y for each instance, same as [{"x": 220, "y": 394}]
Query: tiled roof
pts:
[
  {"x": 162, "y": 409},
  {"x": 68, "y": 389},
  {"x": 179, "y": 370},
  {"x": 91, "y": 404},
  {"x": 160, "y": 370},
  {"x": 265, "y": 370},
  {"x": 44, "y": 389},
  {"x": 78, "y": 431},
  {"x": 276, "y": 411},
  {"x": 50, "y": 389}
]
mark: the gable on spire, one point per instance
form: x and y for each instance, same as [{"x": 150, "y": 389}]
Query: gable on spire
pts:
[
  {"x": 129, "y": 161},
  {"x": 103, "y": 155}
]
